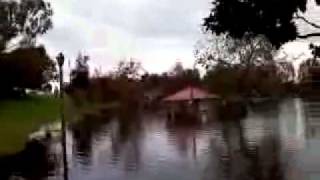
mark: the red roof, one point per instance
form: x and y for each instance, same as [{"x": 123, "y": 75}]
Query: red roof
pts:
[{"x": 190, "y": 93}]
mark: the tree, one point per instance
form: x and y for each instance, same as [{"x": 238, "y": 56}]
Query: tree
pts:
[
  {"x": 80, "y": 75},
  {"x": 222, "y": 80},
  {"x": 25, "y": 68},
  {"x": 234, "y": 81},
  {"x": 244, "y": 66},
  {"x": 275, "y": 19},
  {"x": 246, "y": 52},
  {"x": 178, "y": 78},
  {"x": 129, "y": 69},
  {"x": 306, "y": 65},
  {"x": 177, "y": 69},
  {"x": 315, "y": 51},
  {"x": 25, "y": 18},
  {"x": 286, "y": 71}
]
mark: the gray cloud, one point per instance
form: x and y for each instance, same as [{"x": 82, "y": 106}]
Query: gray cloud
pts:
[
  {"x": 156, "y": 32},
  {"x": 148, "y": 18},
  {"x": 114, "y": 29}
]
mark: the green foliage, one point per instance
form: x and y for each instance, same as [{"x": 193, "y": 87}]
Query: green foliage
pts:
[
  {"x": 80, "y": 75},
  {"x": 222, "y": 81},
  {"x": 179, "y": 78},
  {"x": 271, "y": 18},
  {"x": 25, "y": 68},
  {"x": 224, "y": 50},
  {"x": 128, "y": 69},
  {"x": 105, "y": 89},
  {"x": 309, "y": 66},
  {"x": 121, "y": 86},
  {"x": 242, "y": 67},
  {"x": 157, "y": 86},
  {"x": 315, "y": 50},
  {"x": 26, "y": 18},
  {"x": 260, "y": 81},
  {"x": 108, "y": 89},
  {"x": 309, "y": 76}
]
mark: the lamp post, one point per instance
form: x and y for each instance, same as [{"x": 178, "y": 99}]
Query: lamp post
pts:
[{"x": 60, "y": 60}]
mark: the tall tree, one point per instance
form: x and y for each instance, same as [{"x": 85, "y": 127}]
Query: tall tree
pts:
[
  {"x": 308, "y": 68},
  {"x": 179, "y": 77},
  {"x": 177, "y": 69},
  {"x": 129, "y": 69},
  {"x": 25, "y": 68},
  {"x": 245, "y": 52},
  {"x": 80, "y": 75},
  {"x": 242, "y": 66},
  {"x": 25, "y": 18},
  {"x": 275, "y": 19}
]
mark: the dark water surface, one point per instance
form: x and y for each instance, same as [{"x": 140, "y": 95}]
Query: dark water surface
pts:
[{"x": 275, "y": 141}]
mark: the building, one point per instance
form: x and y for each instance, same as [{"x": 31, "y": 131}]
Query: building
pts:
[{"x": 191, "y": 103}]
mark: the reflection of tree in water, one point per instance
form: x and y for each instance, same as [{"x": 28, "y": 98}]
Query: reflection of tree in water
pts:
[
  {"x": 242, "y": 159},
  {"x": 126, "y": 139},
  {"x": 124, "y": 134},
  {"x": 33, "y": 163},
  {"x": 83, "y": 132},
  {"x": 184, "y": 135}
]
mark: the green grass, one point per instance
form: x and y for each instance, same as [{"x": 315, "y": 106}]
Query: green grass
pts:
[{"x": 19, "y": 118}]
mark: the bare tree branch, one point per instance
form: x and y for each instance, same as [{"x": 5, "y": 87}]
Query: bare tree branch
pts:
[
  {"x": 297, "y": 16},
  {"x": 305, "y": 36}
]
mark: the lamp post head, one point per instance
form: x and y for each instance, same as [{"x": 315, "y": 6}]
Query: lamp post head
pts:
[{"x": 60, "y": 59}]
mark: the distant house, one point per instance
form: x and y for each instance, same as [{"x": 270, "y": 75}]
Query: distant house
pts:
[{"x": 190, "y": 102}]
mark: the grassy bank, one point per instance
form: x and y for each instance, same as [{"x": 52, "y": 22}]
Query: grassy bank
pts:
[{"x": 18, "y": 118}]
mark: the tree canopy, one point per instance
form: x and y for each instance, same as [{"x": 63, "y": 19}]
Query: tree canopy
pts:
[
  {"x": 246, "y": 51},
  {"x": 128, "y": 69},
  {"x": 243, "y": 66},
  {"x": 25, "y": 18},
  {"x": 274, "y": 19},
  {"x": 23, "y": 64},
  {"x": 25, "y": 68},
  {"x": 80, "y": 75}
]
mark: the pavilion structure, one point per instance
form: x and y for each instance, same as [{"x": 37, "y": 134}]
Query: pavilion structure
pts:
[{"x": 189, "y": 102}]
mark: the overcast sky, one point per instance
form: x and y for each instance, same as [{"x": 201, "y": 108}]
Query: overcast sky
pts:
[{"x": 157, "y": 33}]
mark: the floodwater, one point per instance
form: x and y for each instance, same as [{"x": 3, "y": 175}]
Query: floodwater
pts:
[{"x": 276, "y": 140}]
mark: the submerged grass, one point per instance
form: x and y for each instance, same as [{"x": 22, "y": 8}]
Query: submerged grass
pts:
[{"x": 18, "y": 118}]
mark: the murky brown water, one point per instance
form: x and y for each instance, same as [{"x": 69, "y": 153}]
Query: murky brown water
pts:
[{"x": 275, "y": 141}]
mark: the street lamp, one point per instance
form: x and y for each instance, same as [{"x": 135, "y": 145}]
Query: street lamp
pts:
[{"x": 60, "y": 60}]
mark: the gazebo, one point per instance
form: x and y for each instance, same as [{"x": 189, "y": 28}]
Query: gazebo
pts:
[
  {"x": 190, "y": 93},
  {"x": 189, "y": 102}
]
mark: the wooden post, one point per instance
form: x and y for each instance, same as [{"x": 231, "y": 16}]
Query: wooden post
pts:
[{"x": 194, "y": 143}]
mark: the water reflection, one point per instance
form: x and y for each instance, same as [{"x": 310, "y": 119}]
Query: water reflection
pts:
[
  {"x": 35, "y": 163},
  {"x": 242, "y": 158},
  {"x": 126, "y": 140},
  {"x": 275, "y": 140}
]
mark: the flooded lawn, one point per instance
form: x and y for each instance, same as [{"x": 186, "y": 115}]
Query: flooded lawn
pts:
[
  {"x": 275, "y": 141},
  {"x": 18, "y": 118}
]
